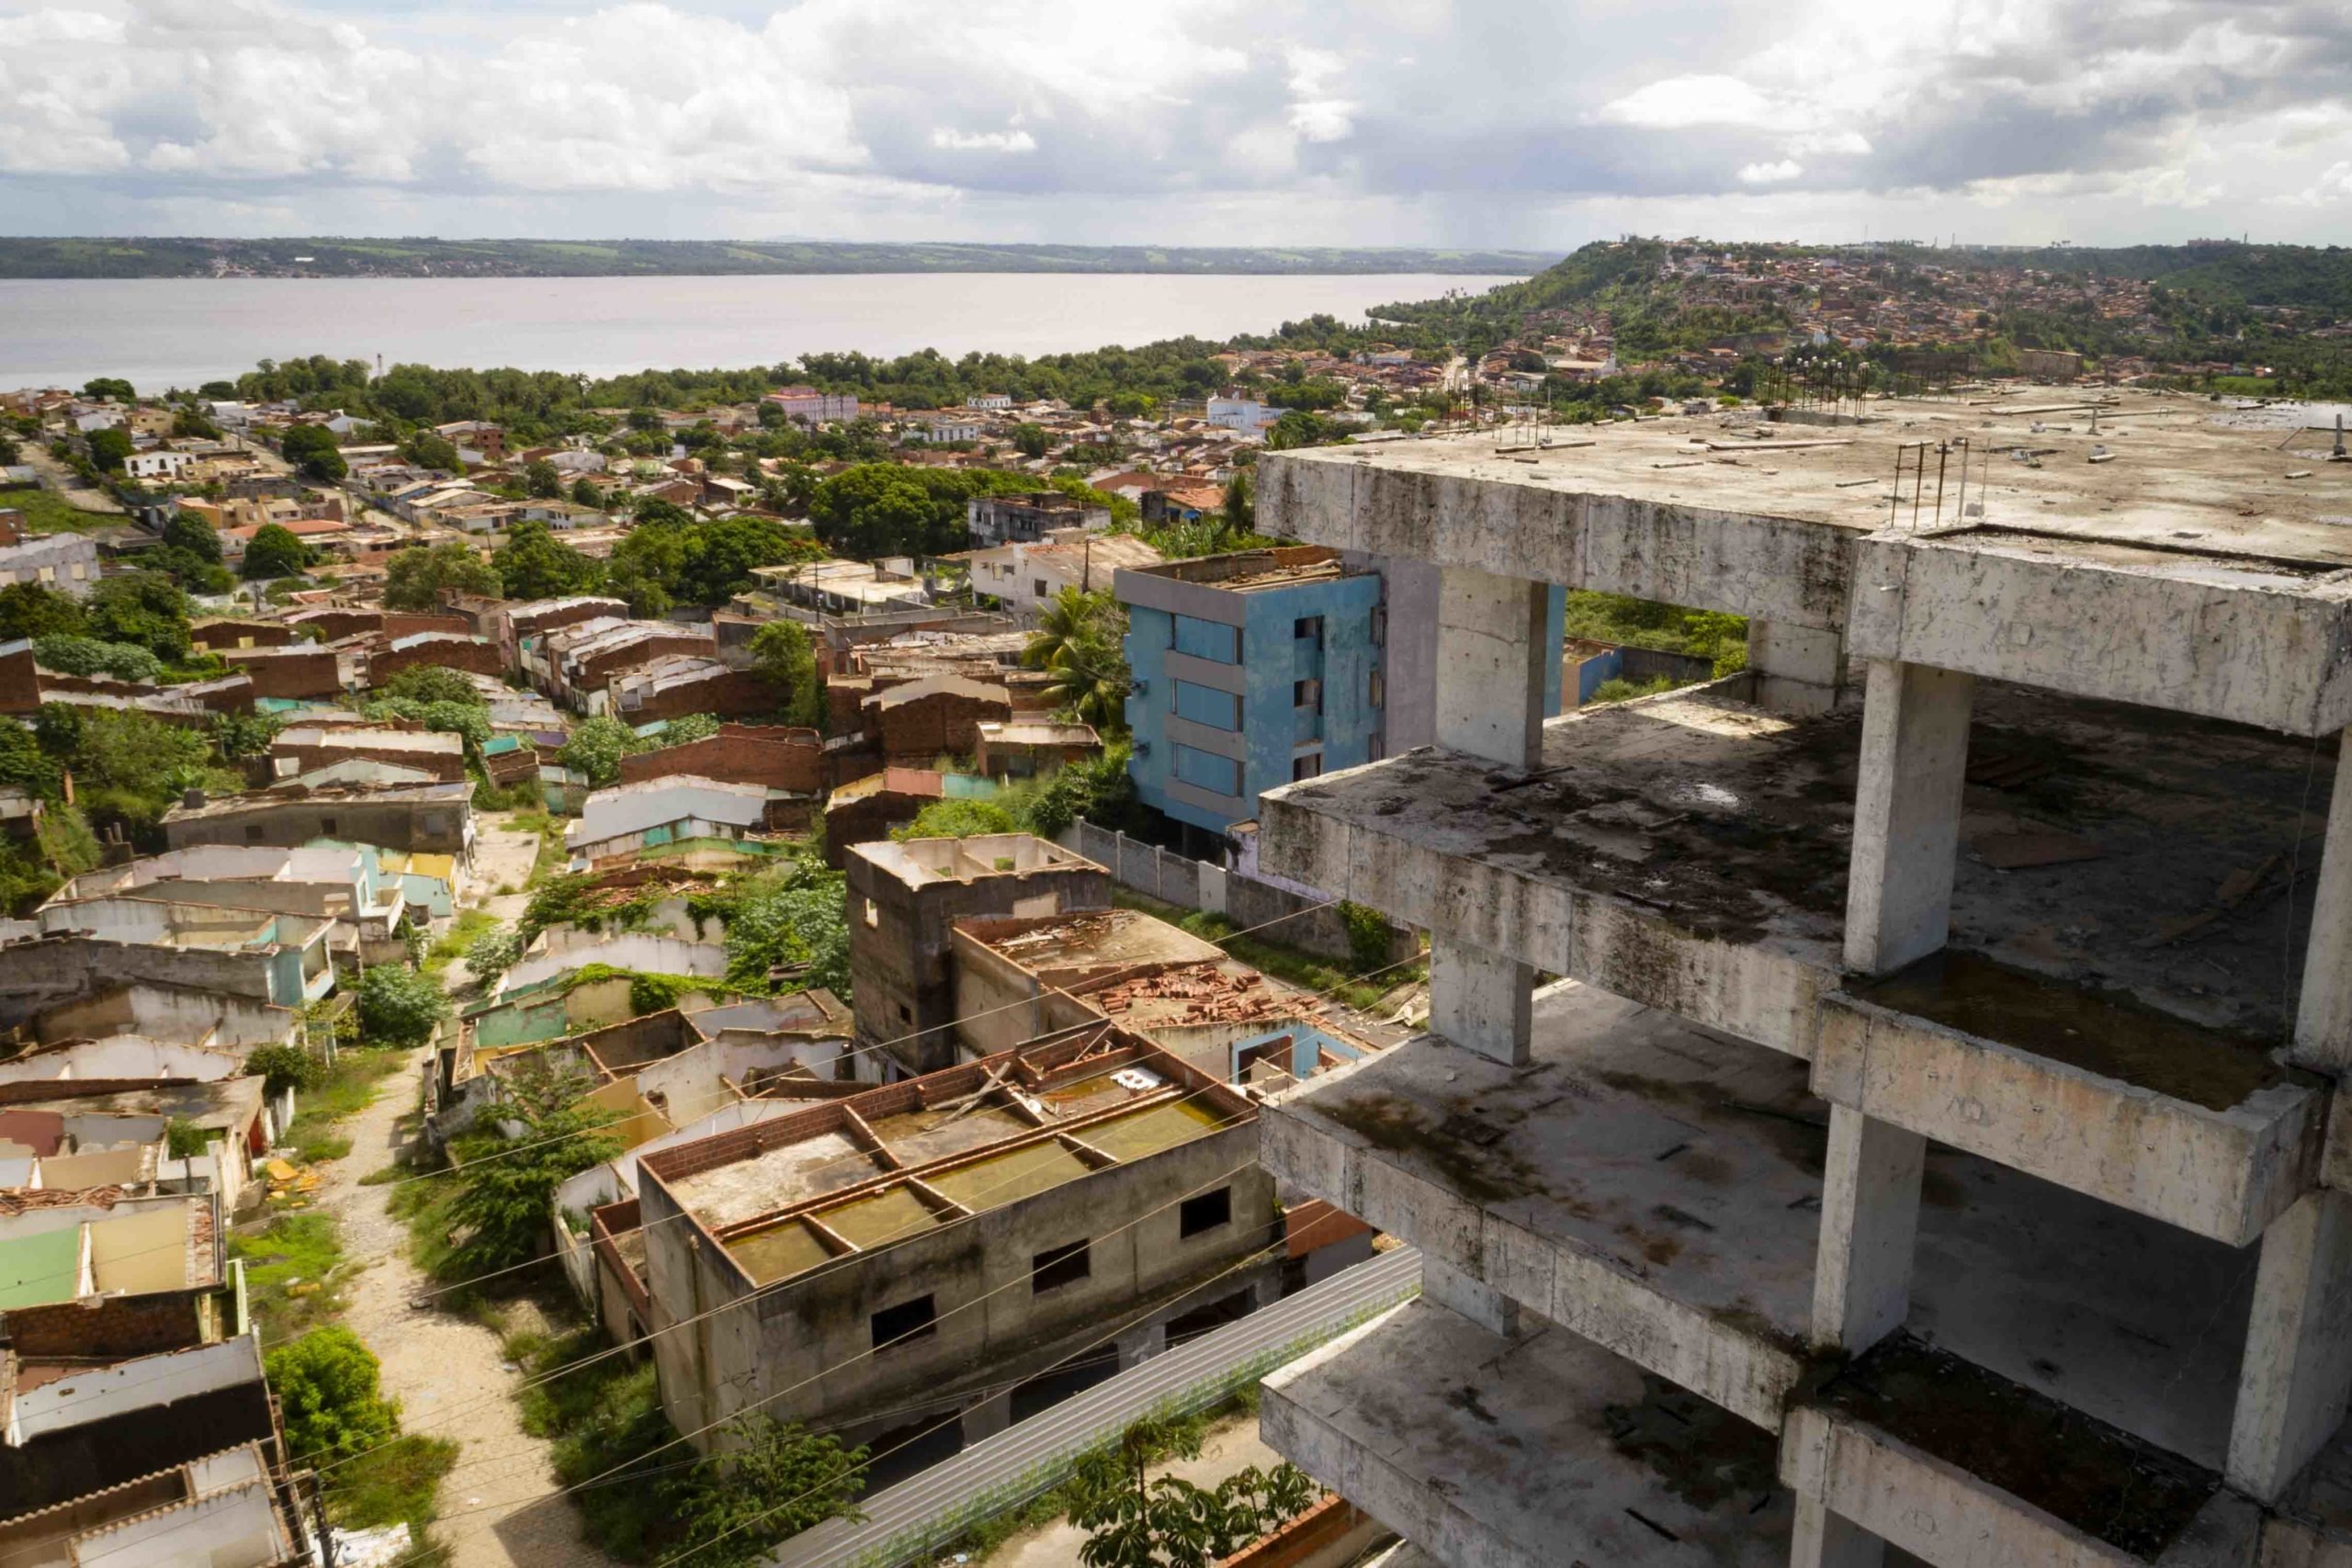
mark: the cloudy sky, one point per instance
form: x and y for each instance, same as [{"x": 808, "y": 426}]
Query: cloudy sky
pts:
[{"x": 1536, "y": 123}]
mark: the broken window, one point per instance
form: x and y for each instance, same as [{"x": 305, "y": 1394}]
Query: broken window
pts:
[
  {"x": 904, "y": 1323},
  {"x": 1205, "y": 1212},
  {"x": 1059, "y": 1266}
]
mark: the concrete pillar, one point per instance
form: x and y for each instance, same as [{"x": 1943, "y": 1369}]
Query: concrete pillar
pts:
[
  {"x": 1870, "y": 1220},
  {"x": 1491, "y": 654},
  {"x": 1473, "y": 1299},
  {"x": 1265, "y": 1290},
  {"x": 1823, "y": 1539},
  {"x": 2296, "y": 1377},
  {"x": 1800, "y": 671},
  {"x": 2323, "y": 1018},
  {"x": 1140, "y": 1344},
  {"x": 987, "y": 1418},
  {"x": 1906, "y": 814},
  {"x": 1481, "y": 1000}
]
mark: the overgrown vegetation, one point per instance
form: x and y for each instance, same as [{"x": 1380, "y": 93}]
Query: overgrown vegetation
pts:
[
  {"x": 399, "y": 1007},
  {"x": 1134, "y": 1520},
  {"x": 337, "y": 1419},
  {"x": 497, "y": 1204},
  {"x": 1643, "y": 623}
]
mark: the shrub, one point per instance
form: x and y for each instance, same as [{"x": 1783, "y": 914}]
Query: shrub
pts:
[
  {"x": 327, "y": 1384},
  {"x": 399, "y": 1007},
  {"x": 433, "y": 683},
  {"x": 1367, "y": 936},
  {"x": 88, "y": 656},
  {"x": 281, "y": 1067}
]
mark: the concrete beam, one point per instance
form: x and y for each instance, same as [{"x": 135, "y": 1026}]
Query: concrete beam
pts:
[
  {"x": 1906, "y": 814},
  {"x": 1492, "y": 658},
  {"x": 1798, "y": 670},
  {"x": 987, "y": 1418},
  {"x": 1528, "y": 1453},
  {"x": 2296, "y": 1379},
  {"x": 2323, "y": 1013},
  {"x": 1480, "y": 1302},
  {"x": 1479, "y": 1000},
  {"x": 2234, "y": 637},
  {"x": 1457, "y": 505},
  {"x": 1870, "y": 1222},
  {"x": 2157, "y": 1148}
]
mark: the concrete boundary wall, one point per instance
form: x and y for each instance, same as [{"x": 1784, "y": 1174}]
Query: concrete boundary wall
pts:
[{"x": 1245, "y": 901}]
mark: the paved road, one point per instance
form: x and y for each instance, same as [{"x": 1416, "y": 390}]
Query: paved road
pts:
[{"x": 930, "y": 1509}]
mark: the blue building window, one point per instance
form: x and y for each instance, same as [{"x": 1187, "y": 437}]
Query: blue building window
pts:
[
  {"x": 1206, "y": 770},
  {"x": 1206, "y": 704},
  {"x": 1212, "y": 640}
]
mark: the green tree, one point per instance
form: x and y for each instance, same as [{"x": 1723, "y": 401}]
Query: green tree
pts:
[
  {"x": 1133, "y": 1520},
  {"x": 783, "y": 656},
  {"x": 274, "y": 551},
  {"x": 193, "y": 532},
  {"x": 144, "y": 607},
  {"x": 416, "y": 577},
  {"x": 597, "y": 747},
  {"x": 399, "y": 1007},
  {"x": 788, "y": 921},
  {"x": 542, "y": 477},
  {"x": 281, "y": 1067},
  {"x": 645, "y": 418},
  {"x": 689, "y": 727},
  {"x": 189, "y": 425},
  {"x": 239, "y": 736},
  {"x": 25, "y": 764},
  {"x": 312, "y": 449},
  {"x": 109, "y": 388},
  {"x": 109, "y": 449},
  {"x": 1080, "y": 640},
  {"x": 534, "y": 564},
  {"x": 433, "y": 683},
  {"x": 499, "y": 1214},
  {"x": 428, "y": 450},
  {"x": 329, "y": 1389},
  {"x": 1030, "y": 439},
  {"x": 1241, "y": 504},
  {"x": 28, "y": 609},
  {"x": 585, "y": 493},
  {"x": 763, "y": 1482}
]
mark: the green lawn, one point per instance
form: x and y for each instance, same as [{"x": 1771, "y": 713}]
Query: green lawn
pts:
[{"x": 46, "y": 512}]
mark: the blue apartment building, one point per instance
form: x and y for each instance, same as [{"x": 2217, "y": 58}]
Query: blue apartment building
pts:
[{"x": 1252, "y": 670}]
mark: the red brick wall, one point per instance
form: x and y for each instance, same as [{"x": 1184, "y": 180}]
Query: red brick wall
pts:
[
  {"x": 605, "y": 666},
  {"x": 443, "y": 767},
  {"x": 481, "y": 658},
  {"x": 843, "y": 695},
  {"x": 110, "y": 1325},
  {"x": 771, "y": 755},
  {"x": 725, "y": 694},
  {"x": 297, "y": 674},
  {"x": 943, "y": 723},
  {"x": 866, "y": 821},
  {"x": 408, "y": 623},
  {"x": 19, "y": 681},
  {"x": 336, "y": 625}
]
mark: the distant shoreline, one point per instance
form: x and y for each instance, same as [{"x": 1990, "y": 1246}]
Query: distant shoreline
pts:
[{"x": 87, "y": 258}]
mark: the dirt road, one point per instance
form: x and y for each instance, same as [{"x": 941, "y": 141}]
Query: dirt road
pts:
[{"x": 448, "y": 1372}]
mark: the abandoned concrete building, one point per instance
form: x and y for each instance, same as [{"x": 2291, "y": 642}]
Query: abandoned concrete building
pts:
[
  {"x": 958, "y": 1242},
  {"x": 1930, "y": 1146},
  {"x": 904, "y": 900}
]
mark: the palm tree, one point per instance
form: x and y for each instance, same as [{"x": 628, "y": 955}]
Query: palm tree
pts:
[{"x": 1079, "y": 640}]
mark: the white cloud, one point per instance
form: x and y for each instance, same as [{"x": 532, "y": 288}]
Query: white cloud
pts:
[
  {"x": 983, "y": 140},
  {"x": 1414, "y": 121}
]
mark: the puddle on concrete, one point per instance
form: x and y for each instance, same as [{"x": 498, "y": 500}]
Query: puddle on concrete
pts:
[
  {"x": 2109, "y": 1033},
  {"x": 1007, "y": 1179},
  {"x": 1148, "y": 1132},
  {"x": 779, "y": 1253},
  {"x": 890, "y": 1215}
]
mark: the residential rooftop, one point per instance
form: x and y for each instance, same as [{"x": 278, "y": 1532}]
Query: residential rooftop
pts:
[
  {"x": 919, "y": 861},
  {"x": 1255, "y": 571},
  {"x": 786, "y": 1195}
]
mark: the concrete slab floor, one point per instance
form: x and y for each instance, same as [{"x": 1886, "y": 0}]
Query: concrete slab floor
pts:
[
  {"x": 1658, "y": 1186},
  {"x": 1540, "y": 1453},
  {"x": 1672, "y": 847}
]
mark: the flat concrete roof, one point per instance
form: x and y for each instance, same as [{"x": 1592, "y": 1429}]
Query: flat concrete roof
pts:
[
  {"x": 1067, "y": 950},
  {"x": 2183, "y": 470}
]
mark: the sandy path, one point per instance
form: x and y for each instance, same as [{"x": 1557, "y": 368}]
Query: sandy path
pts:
[{"x": 495, "y": 1509}]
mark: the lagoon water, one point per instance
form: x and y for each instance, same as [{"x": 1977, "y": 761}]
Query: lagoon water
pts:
[{"x": 166, "y": 332}]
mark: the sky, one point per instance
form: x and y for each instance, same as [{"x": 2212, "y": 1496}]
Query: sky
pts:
[{"x": 1536, "y": 124}]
